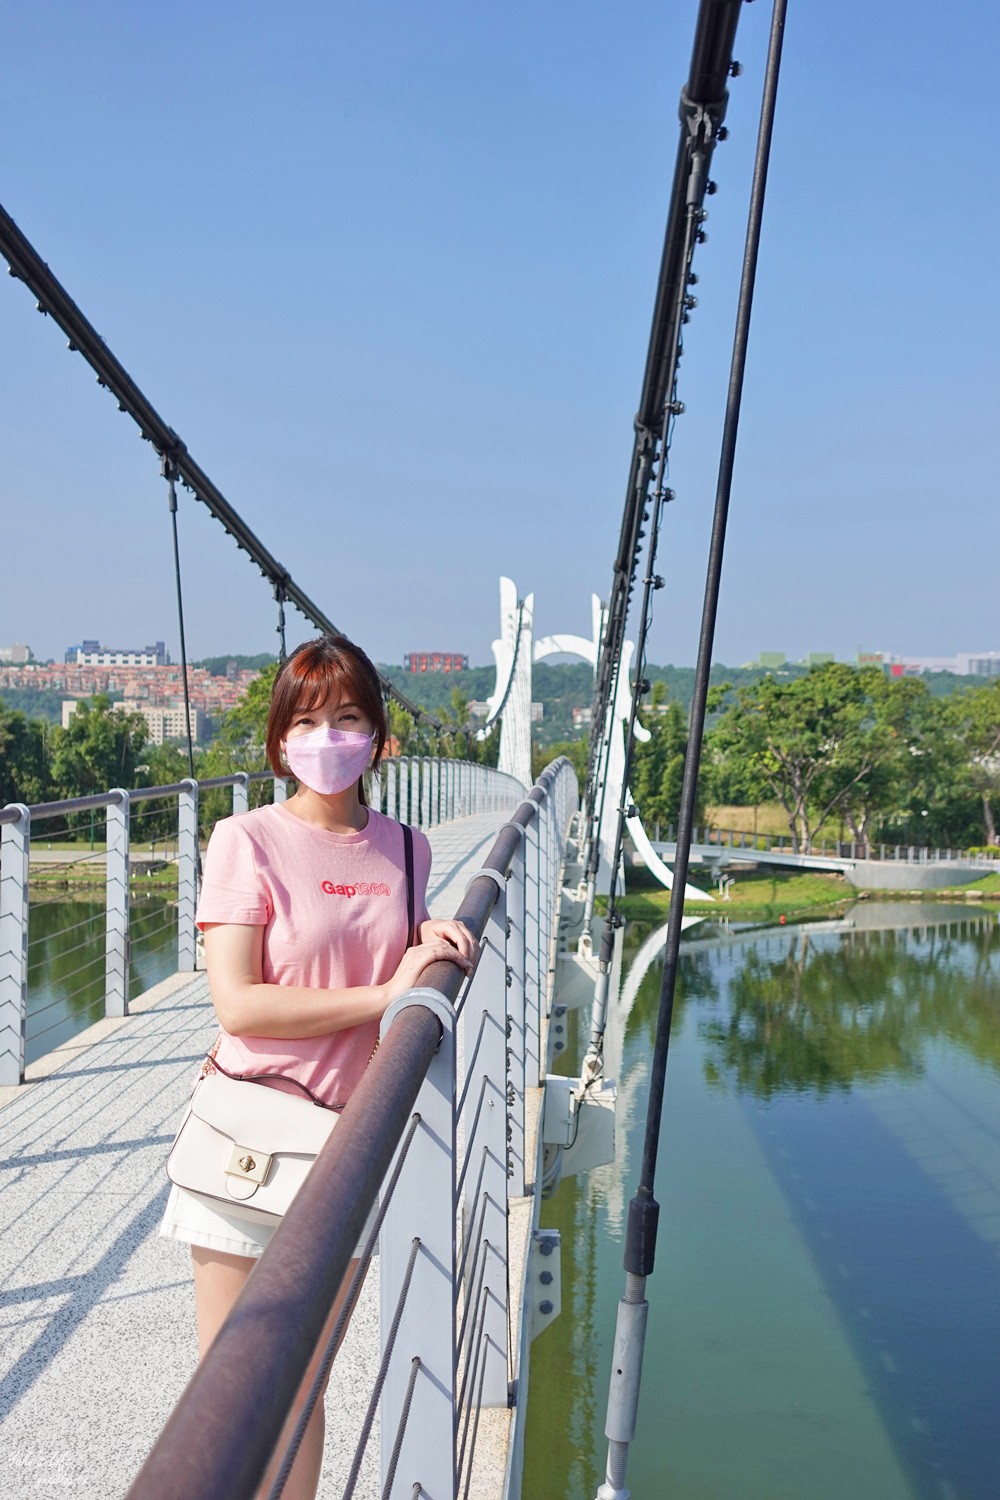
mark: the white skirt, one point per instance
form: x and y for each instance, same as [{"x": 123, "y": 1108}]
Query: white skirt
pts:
[{"x": 191, "y": 1220}]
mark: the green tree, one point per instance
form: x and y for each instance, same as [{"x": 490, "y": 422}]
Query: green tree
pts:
[
  {"x": 239, "y": 745},
  {"x": 24, "y": 773},
  {"x": 100, "y": 748},
  {"x": 810, "y": 740},
  {"x": 162, "y": 765},
  {"x": 977, "y": 717},
  {"x": 920, "y": 790},
  {"x": 575, "y": 752},
  {"x": 658, "y": 763}
]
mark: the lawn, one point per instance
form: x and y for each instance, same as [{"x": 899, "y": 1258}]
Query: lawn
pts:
[
  {"x": 753, "y": 897},
  {"x": 760, "y": 896}
]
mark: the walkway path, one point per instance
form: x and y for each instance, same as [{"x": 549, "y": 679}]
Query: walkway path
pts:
[{"x": 96, "y": 1311}]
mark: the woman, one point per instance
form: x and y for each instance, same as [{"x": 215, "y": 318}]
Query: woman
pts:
[{"x": 304, "y": 910}]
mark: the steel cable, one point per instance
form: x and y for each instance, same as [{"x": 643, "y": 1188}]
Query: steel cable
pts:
[
  {"x": 337, "y": 1332},
  {"x": 383, "y": 1370},
  {"x": 643, "y": 1214},
  {"x": 475, "y": 1430},
  {"x": 404, "y": 1417}
]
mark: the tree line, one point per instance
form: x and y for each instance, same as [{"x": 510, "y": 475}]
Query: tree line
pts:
[
  {"x": 884, "y": 757},
  {"x": 103, "y": 746},
  {"x": 837, "y": 746}
]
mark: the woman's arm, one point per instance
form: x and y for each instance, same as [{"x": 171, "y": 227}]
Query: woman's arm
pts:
[{"x": 246, "y": 1006}]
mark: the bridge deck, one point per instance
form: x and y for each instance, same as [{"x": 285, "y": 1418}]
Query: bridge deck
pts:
[
  {"x": 97, "y": 1311},
  {"x": 871, "y": 874}
]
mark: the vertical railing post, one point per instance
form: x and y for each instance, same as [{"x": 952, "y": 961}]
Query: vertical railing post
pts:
[
  {"x": 415, "y": 789},
  {"x": 533, "y": 966},
  {"x": 485, "y": 1191},
  {"x": 435, "y": 798},
  {"x": 404, "y": 791},
  {"x": 241, "y": 793},
  {"x": 187, "y": 874},
  {"x": 116, "y": 934},
  {"x": 517, "y": 1023},
  {"x": 452, "y": 768},
  {"x": 425, "y": 801},
  {"x": 15, "y": 844},
  {"x": 422, "y": 1208},
  {"x": 390, "y": 789},
  {"x": 280, "y": 789}
]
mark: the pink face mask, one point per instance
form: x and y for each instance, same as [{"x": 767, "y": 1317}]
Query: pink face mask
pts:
[{"x": 328, "y": 760}]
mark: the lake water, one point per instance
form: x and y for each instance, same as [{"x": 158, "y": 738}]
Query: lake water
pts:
[
  {"x": 825, "y": 1307},
  {"x": 66, "y": 963}
]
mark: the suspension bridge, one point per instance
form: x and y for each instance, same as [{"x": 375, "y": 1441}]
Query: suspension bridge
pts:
[{"x": 459, "y": 1124}]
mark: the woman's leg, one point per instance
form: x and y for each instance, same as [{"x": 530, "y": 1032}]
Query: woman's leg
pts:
[{"x": 218, "y": 1280}]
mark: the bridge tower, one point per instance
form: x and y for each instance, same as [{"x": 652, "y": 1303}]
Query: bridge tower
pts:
[
  {"x": 511, "y": 699},
  {"x": 515, "y": 653}
]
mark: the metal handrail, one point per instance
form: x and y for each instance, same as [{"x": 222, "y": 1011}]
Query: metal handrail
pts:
[
  {"x": 40, "y": 810},
  {"x": 874, "y": 851},
  {"x": 286, "y": 1303}
]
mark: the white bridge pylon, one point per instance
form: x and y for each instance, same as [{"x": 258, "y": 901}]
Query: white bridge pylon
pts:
[{"x": 514, "y": 653}]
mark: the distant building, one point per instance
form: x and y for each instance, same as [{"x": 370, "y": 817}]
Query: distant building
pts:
[
  {"x": 93, "y": 654},
  {"x": 962, "y": 664},
  {"x": 819, "y": 658},
  {"x": 983, "y": 664},
  {"x": 582, "y": 717},
  {"x": 69, "y": 707},
  {"x": 15, "y": 656},
  {"x": 163, "y": 721},
  {"x": 435, "y": 661},
  {"x": 166, "y": 722},
  {"x": 478, "y": 710},
  {"x": 771, "y": 661}
]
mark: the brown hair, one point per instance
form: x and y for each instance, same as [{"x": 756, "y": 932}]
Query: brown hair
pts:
[{"x": 331, "y": 666}]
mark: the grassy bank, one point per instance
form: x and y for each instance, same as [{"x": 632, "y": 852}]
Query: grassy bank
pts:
[{"x": 768, "y": 896}]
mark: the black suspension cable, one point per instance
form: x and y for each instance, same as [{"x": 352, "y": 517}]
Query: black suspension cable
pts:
[
  {"x": 702, "y": 110},
  {"x": 640, "y": 1239},
  {"x": 279, "y": 596},
  {"x": 170, "y": 473},
  {"x": 51, "y": 297},
  {"x": 652, "y": 582},
  {"x": 692, "y": 761}
]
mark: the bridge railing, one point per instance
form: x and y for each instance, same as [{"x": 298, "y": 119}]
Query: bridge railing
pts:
[
  {"x": 96, "y": 943},
  {"x": 438, "y": 1125},
  {"x": 920, "y": 854}
]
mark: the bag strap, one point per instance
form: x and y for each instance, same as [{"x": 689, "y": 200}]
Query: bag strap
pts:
[
  {"x": 411, "y": 933},
  {"x": 281, "y": 1077}
]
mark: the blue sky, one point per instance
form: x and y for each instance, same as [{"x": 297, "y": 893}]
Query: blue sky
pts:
[{"x": 389, "y": 271}]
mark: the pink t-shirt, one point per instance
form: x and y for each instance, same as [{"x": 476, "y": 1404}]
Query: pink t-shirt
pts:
[{"x": 333, "y": 909}]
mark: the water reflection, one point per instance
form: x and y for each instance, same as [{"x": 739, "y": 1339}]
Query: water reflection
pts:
[
  {"x": 827, "y": 1293},
  {"x": 824, "y": 1015},
  {"x": 66, "y": 962}
]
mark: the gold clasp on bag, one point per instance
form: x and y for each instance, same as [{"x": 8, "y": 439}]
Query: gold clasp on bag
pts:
[{"x": 250, "y": 1168}]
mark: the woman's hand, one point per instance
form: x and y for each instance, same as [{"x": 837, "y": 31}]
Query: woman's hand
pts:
[
  {"x": 415, "y": 960},
  {"x": 453, "y": 932}
]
